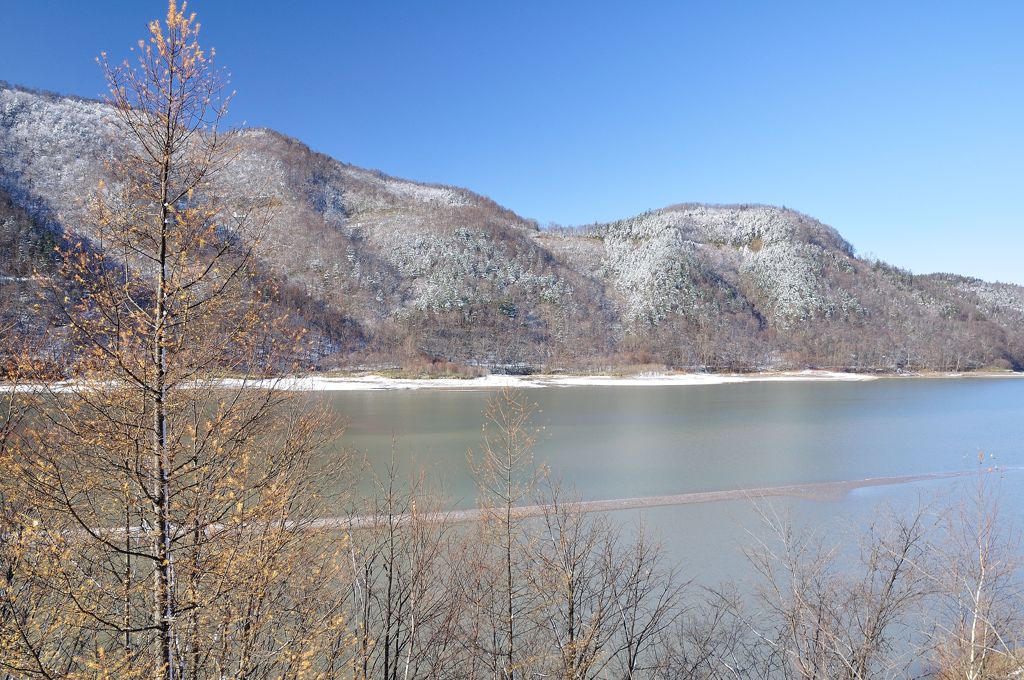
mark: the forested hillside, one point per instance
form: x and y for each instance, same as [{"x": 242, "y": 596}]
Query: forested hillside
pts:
[{"x": 385, "y": 272}]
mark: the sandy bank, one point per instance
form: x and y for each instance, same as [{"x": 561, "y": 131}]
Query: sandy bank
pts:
[{"x": 815, "y": 491}]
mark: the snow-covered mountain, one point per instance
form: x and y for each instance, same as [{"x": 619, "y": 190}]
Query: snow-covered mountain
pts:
[{"x": 384, "y": 269}]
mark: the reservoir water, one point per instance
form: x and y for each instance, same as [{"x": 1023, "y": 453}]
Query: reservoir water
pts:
[{"x": 634, "y": 441}]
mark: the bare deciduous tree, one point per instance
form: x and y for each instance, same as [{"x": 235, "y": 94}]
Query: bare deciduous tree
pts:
[
  {"x": 404, "y": 605},
  {"x": 160, "y": 508},
  {"x": 831, "y": 620},
  {"x": 506, "y": 477},
  {"x": 979, "y": 614},
  {"x": 573, "y": 569}
]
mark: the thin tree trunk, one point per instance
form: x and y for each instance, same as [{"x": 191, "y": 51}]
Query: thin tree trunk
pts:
[
  {"x": 160, "y": 452},
  {"x": 510, "y": 672}
]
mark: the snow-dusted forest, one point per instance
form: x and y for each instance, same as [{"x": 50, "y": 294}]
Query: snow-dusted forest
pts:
[{"x": 388, "y": 272}]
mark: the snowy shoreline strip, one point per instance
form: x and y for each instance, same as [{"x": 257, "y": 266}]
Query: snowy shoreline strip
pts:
[
  {"x": 323, "y": 383},
  {"x": 376, "y": 382}
]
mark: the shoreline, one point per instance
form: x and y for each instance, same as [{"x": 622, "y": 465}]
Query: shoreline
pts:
[
  {"x": 376, "y": 382},
  {"x": 373, "y": 382}
]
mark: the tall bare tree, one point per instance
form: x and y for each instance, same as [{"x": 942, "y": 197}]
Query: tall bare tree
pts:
[
  {"x": 506, "y": 478},
  {"x": 165, "y": 493}
]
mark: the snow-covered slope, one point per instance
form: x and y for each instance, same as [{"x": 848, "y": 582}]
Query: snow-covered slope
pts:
[{"x": 383, "y": 268}]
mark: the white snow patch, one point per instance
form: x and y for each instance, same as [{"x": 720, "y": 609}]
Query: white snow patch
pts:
[
  {"x": 690, "y": 379},
  {"x": 323, "y": 383},
  {"x": 376, "y": 382}
]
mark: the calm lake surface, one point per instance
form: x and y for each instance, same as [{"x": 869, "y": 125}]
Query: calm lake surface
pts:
[{"x": 618, "y": 442}]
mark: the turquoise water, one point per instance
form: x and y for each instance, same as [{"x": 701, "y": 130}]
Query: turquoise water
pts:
[{"x": 618, "y": 442}]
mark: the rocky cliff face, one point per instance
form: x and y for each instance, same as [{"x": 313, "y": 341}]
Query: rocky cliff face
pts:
[{"x": 383, "y": 269}]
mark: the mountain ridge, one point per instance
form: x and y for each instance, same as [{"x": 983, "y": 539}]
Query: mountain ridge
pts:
[{"x": 385, "y": 270}]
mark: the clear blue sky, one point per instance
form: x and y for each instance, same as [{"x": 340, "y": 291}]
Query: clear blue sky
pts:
[{"x": 901, "y": 124}]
